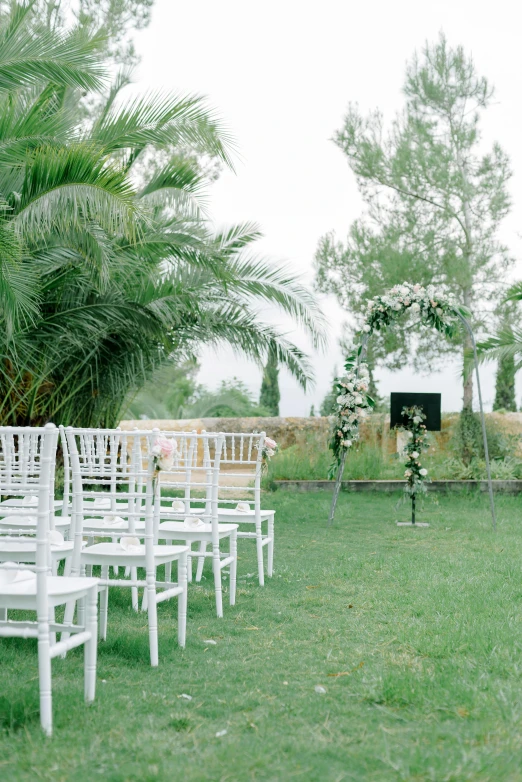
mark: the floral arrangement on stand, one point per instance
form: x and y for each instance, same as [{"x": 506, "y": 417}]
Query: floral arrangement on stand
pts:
[
  {"x": 433, "y": 308},
  {"x": 415, "y": 473},
  {"x": 353, "y": 402}
]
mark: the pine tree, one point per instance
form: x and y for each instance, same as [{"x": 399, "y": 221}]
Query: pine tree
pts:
[{"x": 270, "y": 394}]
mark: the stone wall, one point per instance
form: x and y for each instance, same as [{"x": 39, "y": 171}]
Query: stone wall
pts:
[{"x": 287, "y": 431}]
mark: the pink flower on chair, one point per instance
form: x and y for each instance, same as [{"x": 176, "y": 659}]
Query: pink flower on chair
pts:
[{"x": 163, "y": 452}]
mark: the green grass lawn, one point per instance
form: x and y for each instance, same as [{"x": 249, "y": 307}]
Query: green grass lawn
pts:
[{"x": 415, "y": 635}]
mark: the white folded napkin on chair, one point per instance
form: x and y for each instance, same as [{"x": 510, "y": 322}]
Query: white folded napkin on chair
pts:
[
  {"x": 56, "y": 538},
  {"x": 113, "y": 521},
  {"x": 30, "y": 500},
  {"x": 178, "y": 506},
  {"x": 130, "y": 544},
  {"x": 192, "y": 522},
  {"x": 243, "y": 507},
  {"x": 11, "y": 576}
]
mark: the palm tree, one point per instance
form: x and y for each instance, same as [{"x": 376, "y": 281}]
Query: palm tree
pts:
[{"x": 109, "y": 269}]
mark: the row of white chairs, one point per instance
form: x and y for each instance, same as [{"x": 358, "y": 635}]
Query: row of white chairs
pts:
[{"x": 125, "y": 496}]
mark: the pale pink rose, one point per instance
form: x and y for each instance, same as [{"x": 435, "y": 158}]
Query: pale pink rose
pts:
[
  {"x": 164, "y": 447},
  {"x": 269, "y": 443}
]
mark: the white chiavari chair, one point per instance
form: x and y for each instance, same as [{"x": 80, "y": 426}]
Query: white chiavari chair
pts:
[
  {"x": 239, "y": 488},
  {"x": 193, "y": 517},
  {"x": 29, "y": 587},
  {"x": 110, "y": 465},
  {"x": 20, "y": 464}
]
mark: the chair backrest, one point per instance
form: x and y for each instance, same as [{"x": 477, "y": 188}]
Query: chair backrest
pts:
[
  {"x": 20, "y": 478},
  {"x": 111, "y": 475},
  {"x": 193, "y": 477},
  {"x": 241, "y": 466},
  {"x": 21, "y": 463}
]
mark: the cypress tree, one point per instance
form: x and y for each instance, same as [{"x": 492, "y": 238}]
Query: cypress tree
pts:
[
  {"x": 270, "y": 394},
  {"x": 505, "y": 385}
]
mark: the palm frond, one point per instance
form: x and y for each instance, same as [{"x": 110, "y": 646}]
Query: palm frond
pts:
[
  {"x": 162, "y": 121},
  {"x": 70, "y": 59},
  {"x": 63, "y": 187}
]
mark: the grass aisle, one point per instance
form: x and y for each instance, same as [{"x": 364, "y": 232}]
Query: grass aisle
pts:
[{"x": 416, "y": 636}]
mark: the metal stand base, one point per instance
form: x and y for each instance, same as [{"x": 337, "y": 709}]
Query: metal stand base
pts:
[{"x": 409, "y": 524}]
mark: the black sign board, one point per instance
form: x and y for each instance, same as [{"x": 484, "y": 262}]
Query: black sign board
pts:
[{"x": 430, "y": 404}]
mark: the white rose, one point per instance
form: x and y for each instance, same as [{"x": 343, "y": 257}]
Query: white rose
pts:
[
  {"x": 423, "y": 472},
  {"x": 371, "y": 305},
  {"x": 166, "y": 463},
  {"x": 414, "y": 454},
  {"x": 366, "y": 328},
  {"x": 349, "y": 386},
  {"x": 407, "y": 473},
  {"x": 358, "y": 399},
  {"x": 347, "y": 443},
  {"x": 415, "y": 307},
  {"x": 417, "y": 419},
  {"x": 438, "y": 311},
  {"x": 397, "y": 307},
  {"x": 340, "y": 400}
]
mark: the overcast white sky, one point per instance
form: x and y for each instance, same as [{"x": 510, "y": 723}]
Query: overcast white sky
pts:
[{"x": 281, "y": 74}]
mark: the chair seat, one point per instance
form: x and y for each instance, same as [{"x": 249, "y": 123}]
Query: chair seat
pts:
[
  {"x": 60, "y": 589},
  {"x": 16, "y": 502},
  {"x": 113, "y": 553},
  {"x": 19, "y": 551},
  {"x": 226, "y": 514},
  {"x": 179, "y": 531},
  {"x": 61, "y": 523},
  {"x": 104, "y": 505},
  {"x": 99, "y": 525}
]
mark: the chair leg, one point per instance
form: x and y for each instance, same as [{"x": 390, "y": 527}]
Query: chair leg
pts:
[
  {"x": 270, "y": 569},
  {"x": 182, "y": 600},
  {"x": 233, "y": 567},
  {"x": 44, "y": 672},
  {"x": 68, "y": 619},
  {"x": 91, "y": 646},
  {"x": 152, "y": 610},
  {"x": 104, "y": 603},
  {"x": 260, "y": 557},
  {"x": 216, "y": 566},
  {"x": 134, "y": 590},
  {"x": 80, "y": 603},
  {"x": 201, "y": 560},
  {"x": 52, "y": 619}
]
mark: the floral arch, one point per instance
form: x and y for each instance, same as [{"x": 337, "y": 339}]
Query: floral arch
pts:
[{"x": 353, "y": 400}]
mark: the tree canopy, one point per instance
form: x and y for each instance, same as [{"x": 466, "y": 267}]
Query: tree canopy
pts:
[
  {"x": 109, "y": 268},
  {"x": 434, "y": 201}
]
